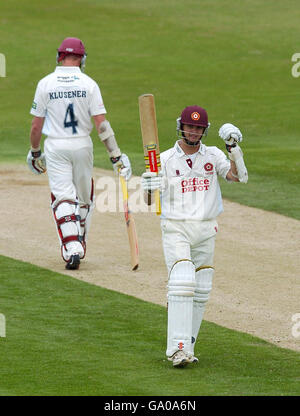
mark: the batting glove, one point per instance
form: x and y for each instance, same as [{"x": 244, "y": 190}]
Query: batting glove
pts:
[
  {"x": 230, "y": 134},
  {"x": 151, "y": 181},
  {"x": 36, "y": 161},
  {"x": 122, "y": 166}
]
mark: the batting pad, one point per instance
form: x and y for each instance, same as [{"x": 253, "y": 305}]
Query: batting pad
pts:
[
  {"x": 68, "y": 227},
  {"x": 85, "y": 212},
  {"x": 204, "y": 277},
  {"x": 181, "y": 290}
]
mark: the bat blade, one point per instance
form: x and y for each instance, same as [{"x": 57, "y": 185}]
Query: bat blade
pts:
[
  {"x": 130, "y": 225},
  {"x": 150, "y": 138}
]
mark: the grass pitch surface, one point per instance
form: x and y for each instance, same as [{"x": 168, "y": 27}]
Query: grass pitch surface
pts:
[{"x": 66, "y": 337}]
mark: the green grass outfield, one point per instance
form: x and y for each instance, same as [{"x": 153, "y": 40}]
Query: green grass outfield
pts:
[
  {"x": 67, "y": 337},
  {"x": 231, "y": 57}
]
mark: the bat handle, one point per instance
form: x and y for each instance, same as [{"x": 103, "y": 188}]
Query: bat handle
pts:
[
  {"x": 124, "y": 187},
  {"x": 157, "y": 202}
]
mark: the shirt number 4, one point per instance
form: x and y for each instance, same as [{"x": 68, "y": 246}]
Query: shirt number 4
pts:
[{"x": 70, "y": 119}]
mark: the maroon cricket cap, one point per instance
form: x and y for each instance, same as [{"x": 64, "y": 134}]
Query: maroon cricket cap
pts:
[
  {"x": 71, "y": 46},
  {"x": 194, "y": 116}
]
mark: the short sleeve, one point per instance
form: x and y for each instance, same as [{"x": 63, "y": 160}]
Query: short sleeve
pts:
[
  {"x": 222, "y": 164},
  {"x": 96, "y": 103},
  {"x": 38, "y": 107}
]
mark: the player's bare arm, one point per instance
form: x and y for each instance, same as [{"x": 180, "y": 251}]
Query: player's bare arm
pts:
[
  {"x": 232, "y": 175},
  {"x": 120, "y": 161},
  {"x": 36, "y": 132},
  {"x": 36, "y": 159}
]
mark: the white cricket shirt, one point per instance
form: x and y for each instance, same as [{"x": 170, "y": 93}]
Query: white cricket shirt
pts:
[
  {"x": 67, "y": 98},
  {"x": 191, "y": 189}
]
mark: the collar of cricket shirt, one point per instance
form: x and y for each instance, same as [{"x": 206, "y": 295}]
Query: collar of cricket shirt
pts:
[
  {"x": 180, "y": 152},
  {"x": 67, "y": 69}
]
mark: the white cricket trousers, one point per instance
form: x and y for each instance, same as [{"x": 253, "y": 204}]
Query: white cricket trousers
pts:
[
  {"x": 70, "y": 168},
  {"x": 193, "y": 240}
]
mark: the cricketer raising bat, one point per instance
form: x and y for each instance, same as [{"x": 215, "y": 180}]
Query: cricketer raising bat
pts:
[
  {"x": 130, "y": 225},
  {"x": 150, "y": 139}
]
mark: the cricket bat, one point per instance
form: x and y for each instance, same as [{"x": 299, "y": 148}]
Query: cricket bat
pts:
[
  {"x": 150, "y": 139},
  {"x": 130, "y": 225}
]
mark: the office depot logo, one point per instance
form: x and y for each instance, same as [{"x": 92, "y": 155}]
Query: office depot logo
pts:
[{"x": 194, "y": 185}]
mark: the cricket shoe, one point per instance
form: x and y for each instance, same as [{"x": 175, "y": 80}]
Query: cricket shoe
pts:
[
  {"x": 73, "y": 262},
  {"x": 192, "y": 358},
  {"x": 179, "y": 359}
]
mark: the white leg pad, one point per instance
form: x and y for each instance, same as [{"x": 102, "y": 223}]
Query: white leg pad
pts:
[
  {"x": 204, "y": 278},
  {"x": 181, "y": 289},
  {"x": 67, "y": 221},
  {"x": 85, "y": 212}
]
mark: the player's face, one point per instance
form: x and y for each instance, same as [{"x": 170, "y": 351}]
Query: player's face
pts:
[{"x": 192, "y": 133}]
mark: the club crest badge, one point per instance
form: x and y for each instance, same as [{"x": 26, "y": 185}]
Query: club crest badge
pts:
[
  {"x": 195, "y": 116},
  {"x": 208, "y": 167}
]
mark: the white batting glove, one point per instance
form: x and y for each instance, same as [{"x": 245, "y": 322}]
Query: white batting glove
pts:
[
  {"x": 151, "y": 181},
  {"x": 230, "y": 134},
  {"x": 36, "y": 161},
  {"x": 122, "y": 166}
]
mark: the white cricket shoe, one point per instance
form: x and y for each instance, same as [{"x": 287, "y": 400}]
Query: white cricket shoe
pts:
[
  {"x": 192, "y": 358},
  {"x": 179, "y": 358}
]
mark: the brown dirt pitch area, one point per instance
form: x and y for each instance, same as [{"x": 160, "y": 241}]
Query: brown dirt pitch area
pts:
[{"x": 257, "y": 264}]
